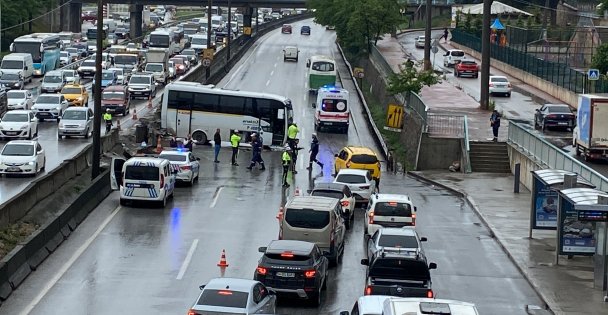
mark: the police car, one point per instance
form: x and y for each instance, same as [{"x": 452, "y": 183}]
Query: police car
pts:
[{"x": 184, "y": 162}]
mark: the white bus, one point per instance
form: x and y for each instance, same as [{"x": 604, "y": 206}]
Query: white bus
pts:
[
  {"x": 321, "y": 72},
  {"x": 165, "y": 39},
  {"x": 196, "y": 109}
]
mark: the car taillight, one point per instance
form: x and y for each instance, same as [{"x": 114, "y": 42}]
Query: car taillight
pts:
[
  {"x": 368, "y": 290},
  {"x": 192, "y": 312},
  {"x": 429, "y": 294},
  {"x": 310, "y": 274},
  {"x": 262, "y": 270},
  {"x": 185, "y": 167},
  {"x": 413, "y": 219},
  {"x": 371, "y": 217},
  {"x": 491, "y": 84},
  {"x": 162, "y": 181},
  {"x": 180, "y": 67},
  {"x": 551, "y": 116},
  {"x": 345, "y": 203}
]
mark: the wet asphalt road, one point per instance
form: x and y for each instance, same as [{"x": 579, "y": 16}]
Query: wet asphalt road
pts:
[{"x": 124, "y": 260}]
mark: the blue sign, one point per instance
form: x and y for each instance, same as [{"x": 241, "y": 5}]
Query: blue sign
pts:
[
  {"x": 577, "y": 238},
  {"x": 593, "y": 74},
  {"x": 545, "y": 205}
]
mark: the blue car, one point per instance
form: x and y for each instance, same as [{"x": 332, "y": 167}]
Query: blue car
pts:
[
  {"x": 305, "y": 30},
  {"x": 108, "y": 77}
]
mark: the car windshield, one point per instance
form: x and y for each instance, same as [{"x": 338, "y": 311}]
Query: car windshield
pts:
[
  {"x": 398, "y": 241},
  {"x": 139, "y": 80},
  {"x": 393, "y": 209},
  {"x": 328, "y": 193},
  {"x": 307, "y": 218},
  {"x": 394, "y": 268},
  {"x": 12, "y": 64},
  {"x": 52, "y": 79},
  {"x": 11, "y": 117},
  {"x": 107, "y": 75},
  {"x": 64, "y": 54},
  {"x": 68, "y": 73},
  {"x": 18, "y": 150},
  {"x": 125, "y": 60},
  {"x": 351, "y": 179},
  {"x": 142, "y": 172},
  {"x": 223, "y": 298},
  {"x": 199, "y": 41},
  {"x": 48, "y": 99},
  {"x": 154, "y": 67},
  {"x": 15, "y": 94},
  {"x": 364, "y": 159},
  {"x": 457, "y": 53},
  {"x": 72, "y": 50},
  {"x": 468, "y": 63},
  {"x": 112, "y": 95},
  {"x": 499, "y": 80},
  {"x": 74, "y": 115},
  {"x": 9, "y": 76},
  {"x": 560, "y": 109},
  {"x": 189, "y": 52},
  {"x": 333, "y": 105},
  {"x": 173, "y": 157},
  {"x": 71, "y": 91}
]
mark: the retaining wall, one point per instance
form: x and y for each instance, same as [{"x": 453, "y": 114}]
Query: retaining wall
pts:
[{"x": 527, "y": 165}]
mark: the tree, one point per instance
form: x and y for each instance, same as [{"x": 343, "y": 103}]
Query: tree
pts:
[
  {"x": 409, "y": 80},
  {"x": 520, "y": 21},
  {"x": 600, "y": 59}
]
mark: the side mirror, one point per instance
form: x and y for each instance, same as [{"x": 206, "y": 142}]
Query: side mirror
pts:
[
  {"x": 307, "y": 63},
  {"x": 202, "y": 286},
  {"x": 432, "y": 266},
  {"x": 415, "y": 209},
  {"x": 309, "y": 191},
  {"x": 538, "y": 109},
  {"x": 365, "y": 262},
  {"x": 423, "y": 239},
  {"x": 272, "y": 292},
  {"x": 198, "y": 159},
  {"x": 335, "y": 155},
  {"x": 26, "y": 68},
  {"x": 314, "y": 105},
  {"x": 262, "y": 249}
]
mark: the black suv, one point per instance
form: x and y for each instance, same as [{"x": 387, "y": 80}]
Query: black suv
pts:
[
  {"x": 293, "y": 268},
  {"x": 305, "y": 30},
  {"x": 398, "y": 275}
]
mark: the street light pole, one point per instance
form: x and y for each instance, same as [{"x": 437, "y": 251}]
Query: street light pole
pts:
[
  {"x": 208, "y": 70},
  {"x": 427, "y": 36},
  {"x": 484, "y": 100},
  {"x": 229, "y": 30},
  {"x": 95, "y": 167}
]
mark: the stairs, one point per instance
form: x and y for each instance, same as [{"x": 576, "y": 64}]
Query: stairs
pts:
[{"x": 489, "y": 157}]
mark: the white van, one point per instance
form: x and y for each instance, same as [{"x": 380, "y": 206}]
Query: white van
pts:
[
  {"x": 198, "y": 42},
  {"x": 420, "y": 306},
  {"x": 291, "y": 53},
  {"x": 452, "y": 57},
  {"x": 332, "y": 109},
  {"x": 142, "y": 179},
  {"x": 18, "y": 63}
]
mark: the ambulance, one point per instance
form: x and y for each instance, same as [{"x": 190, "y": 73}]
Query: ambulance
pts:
[{"x": 332, "y": 111}]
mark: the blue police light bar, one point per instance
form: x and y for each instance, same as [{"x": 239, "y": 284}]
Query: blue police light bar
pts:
[{"x": 331, "y": 88}]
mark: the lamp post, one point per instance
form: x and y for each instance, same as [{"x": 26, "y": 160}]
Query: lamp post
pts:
[
  {"x": 208, "y": 70},
  {"x": 484, "y": 89},
  {"x": 95, "y": 167}
]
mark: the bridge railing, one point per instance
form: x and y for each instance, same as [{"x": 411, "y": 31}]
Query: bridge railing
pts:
[{"x": 550, "y": 156}]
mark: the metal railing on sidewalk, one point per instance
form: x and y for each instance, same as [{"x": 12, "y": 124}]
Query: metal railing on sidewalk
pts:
[
  {"x": 446, "y": 125},
  {"x": 550, "y": 156},
  {"x": 415, "y": 103},
  {"x": 376, "y": 57}
]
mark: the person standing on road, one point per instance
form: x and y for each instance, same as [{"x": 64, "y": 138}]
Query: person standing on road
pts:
[
  {"x": 292, "y": 134},
  {"x": 495, "y": 123},
  {"x": 445, "y": 34},
  {"x": 217, "y": 144},
  {"x": 107, "y": 117},
  {"x": 314, "y": 150},
  {"x": 286, "y": 161},
  {"x": 256, "y": 157},
  {"x": 234, "y": 141}
]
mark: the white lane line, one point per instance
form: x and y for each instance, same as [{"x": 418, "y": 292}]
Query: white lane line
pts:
[
  {"x": 275, "y": 64},
  {"x": 301, "y": 166},
  {"x": 271, "y": 72},
  {"x": 186, "y": 263},
  {"x": 267, "y": 82},
  {"x": 45, "y": 290},
  {"x": 215, "y": 198}
]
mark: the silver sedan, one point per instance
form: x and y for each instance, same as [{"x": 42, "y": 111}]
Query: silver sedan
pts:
[{"x": 234, "y": 296}]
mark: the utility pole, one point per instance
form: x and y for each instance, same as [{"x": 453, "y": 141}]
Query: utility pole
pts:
[
  {"x": 427, "y": 35},
  {"x": 229, "y": 30},
  {"x": 208, "y": 69},
  {"x": 484, "y": 100},
  {"x": 95, "y": 168}
]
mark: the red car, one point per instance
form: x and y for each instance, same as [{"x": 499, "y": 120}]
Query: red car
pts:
[
  {"x": 89, "y": 16},
  {"x": 466, "y": 67},
  {"x": 286, "y": 29}
]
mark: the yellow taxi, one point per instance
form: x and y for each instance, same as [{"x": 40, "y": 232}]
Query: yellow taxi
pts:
[
  {"x": 75, "y": 94},
  {"x": 362, "y": 158}
]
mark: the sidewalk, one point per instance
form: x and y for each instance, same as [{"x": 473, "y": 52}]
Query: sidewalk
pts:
[{"x": 566, "y": 288}]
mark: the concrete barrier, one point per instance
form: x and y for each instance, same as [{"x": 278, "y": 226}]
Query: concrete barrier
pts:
[
  {"x": 17, "y": 207},
  {"x": 17, "y": 267},
  {"x": 35, "y": 249},
  {"x": 5, "y": 286}
]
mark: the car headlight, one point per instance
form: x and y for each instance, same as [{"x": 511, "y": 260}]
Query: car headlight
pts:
[
  {"x": 24, "y": 127},
  {"x": 80, "y": 98},
  {"x": 60, "y": 125},
  {"x": 58, "y": 108},
  {"x": 30, "y": 163}
]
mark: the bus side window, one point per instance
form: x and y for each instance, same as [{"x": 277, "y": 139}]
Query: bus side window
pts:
[{"x": 280, "y": 114}]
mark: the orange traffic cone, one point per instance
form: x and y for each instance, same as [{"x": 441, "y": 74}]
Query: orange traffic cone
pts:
[
  {"x": 280, "y": 214},
  {"x": 118, "y": 124},
  {"x": 150, "y": 102},
  {"x": 297, "y": 192},
  {"x": 159, "y": 146},
  {"x": 223, "y": 262},
  {"x": 134, "y": 113}
]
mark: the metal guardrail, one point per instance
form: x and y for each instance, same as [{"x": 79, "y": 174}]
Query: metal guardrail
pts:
[
  {"x": 379, "y": 60},
  {"x": 415, "y": 103},
  {"x": 465, "y": 151},
  {"x": 550, "y": 156}
]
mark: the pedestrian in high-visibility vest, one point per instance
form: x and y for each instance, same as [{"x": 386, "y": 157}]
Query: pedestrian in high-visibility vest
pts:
[
  {"x": 107, "y": 117},
  {"x": 292, "y": 134},
  {"x": 234, "y": 141},
  {"x": 286, "y": 161}
]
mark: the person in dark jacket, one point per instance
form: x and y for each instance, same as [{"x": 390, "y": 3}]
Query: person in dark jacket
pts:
[
  {"x": 217, "y": 144},
  {"x": 495, "y": 123},
  {"x": 189, "y": 143},
  {"x": 256, "y": 157},
  {"x": 314, "y": 150}
]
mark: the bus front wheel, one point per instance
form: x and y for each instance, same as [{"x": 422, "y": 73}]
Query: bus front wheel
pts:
[{"x": 200, "y": 137}]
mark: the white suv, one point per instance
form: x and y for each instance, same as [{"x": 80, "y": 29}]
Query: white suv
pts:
[
  {"x": 360, "y": 182},
  {"x": 50, "y": 106},
  {"x": 75, "y": 121},
  {"x": 19, "y": 124},
  {"x": 22, "y": 157},
  {"x": 389, "y": 210},
  {"x": 142, "y": 85}
]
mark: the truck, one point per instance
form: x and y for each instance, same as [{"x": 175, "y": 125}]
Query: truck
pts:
[
  {"x": 129, "y": 62},
  {"x": 590, "y": 136},
  {"x": 156, "y": 63}
]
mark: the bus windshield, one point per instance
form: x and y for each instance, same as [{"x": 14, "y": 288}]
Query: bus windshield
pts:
[
  {"x": 32, "y": 48},
  {"x": 159, "y": 41},
  {"x": 324, "y": 66},
  {"x": 122, "y": 60}
]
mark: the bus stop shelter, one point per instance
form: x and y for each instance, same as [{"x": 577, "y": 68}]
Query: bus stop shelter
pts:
[{"x": 544, "y": 201}]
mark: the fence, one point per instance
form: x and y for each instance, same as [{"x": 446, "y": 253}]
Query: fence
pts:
[
  {"x": 415, "y": 103},
  {"x": 546, "y": 154},
  {"x": 555, "y": 72}
]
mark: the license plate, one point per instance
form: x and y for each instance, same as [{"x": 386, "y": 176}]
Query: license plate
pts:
[
  {"x": 13, "y": 169},
  {"x": 12, "y": 133},
  {"x": 44, "y": 114},
  {"x": 562, "y": 123},
  {"x": 328, "y": 123},
  {"x": 137, "y": 92},
  {"x": 286, "y": 274}
]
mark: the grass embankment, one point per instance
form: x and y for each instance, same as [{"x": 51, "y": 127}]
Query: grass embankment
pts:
[
  {"x": 392, "y": 138},
  {"x": 12, "y": 235}
]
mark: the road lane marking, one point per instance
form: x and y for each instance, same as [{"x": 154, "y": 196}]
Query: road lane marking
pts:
[
  {"x": 271, "y": 72},
  {"x": 186, "y": 263},
  {"x": 301, "y": 166},
  {"x": 69, "y": 263},
  {"x": 275, "y": 64},
  {"x": 267, "y": 82},
  {"x": 216, "y": 196}
]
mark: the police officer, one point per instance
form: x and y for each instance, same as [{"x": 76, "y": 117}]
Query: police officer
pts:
[
  {"x": 286, "y": 160},
  {"x": 314, "y": 150},
  {"x": 256, "y": 157},
  {"x": 234, "y": 141},
  {"x": 292, "y": 134},
  {"x": 107, "y": 117}
]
